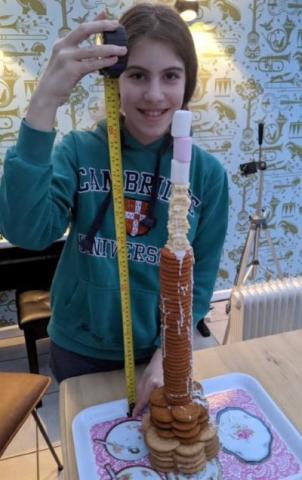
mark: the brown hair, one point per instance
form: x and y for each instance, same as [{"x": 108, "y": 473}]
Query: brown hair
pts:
[{"x": 162, "y": 23}]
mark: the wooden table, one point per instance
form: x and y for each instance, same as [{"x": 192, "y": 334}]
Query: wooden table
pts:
[{"x": 275, "y": 361}]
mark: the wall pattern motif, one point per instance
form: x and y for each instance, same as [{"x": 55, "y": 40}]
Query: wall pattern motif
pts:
[{"x": 250, "y": 55}]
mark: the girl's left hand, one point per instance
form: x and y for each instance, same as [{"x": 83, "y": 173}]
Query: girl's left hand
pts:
[{"x": 152, "y": 378}]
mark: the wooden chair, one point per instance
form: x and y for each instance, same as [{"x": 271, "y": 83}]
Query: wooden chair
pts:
[
  {"x": 33, "y": 313},
  {"x": 20, "y": 394}
]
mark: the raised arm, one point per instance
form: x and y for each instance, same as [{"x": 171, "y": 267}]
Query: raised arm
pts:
[{"x": 69, "y": 62}]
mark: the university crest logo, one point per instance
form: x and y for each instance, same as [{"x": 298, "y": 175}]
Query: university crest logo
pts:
[{"x": 135, "y": 212}]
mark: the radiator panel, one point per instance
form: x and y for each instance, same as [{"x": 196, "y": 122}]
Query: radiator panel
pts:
[{"x": 265, "y": 308}]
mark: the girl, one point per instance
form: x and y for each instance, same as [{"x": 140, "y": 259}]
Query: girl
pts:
[{"x": 47, "y": 188}]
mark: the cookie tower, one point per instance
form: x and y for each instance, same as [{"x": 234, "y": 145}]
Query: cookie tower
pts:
[{"x": 177, "y": 430}]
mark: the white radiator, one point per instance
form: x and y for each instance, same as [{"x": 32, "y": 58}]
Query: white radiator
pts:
[{"x": 265, "y": 308}]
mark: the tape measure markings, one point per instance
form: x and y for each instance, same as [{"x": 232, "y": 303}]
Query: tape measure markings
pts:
[{"x": 115, "y": 154}]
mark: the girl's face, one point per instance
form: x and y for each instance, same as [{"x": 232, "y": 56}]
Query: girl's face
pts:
[{"x": 151, "y": 89}]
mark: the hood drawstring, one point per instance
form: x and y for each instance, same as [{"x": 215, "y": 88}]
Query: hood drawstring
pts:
[
  {"x": 150, "y": 220},
  {"x": 87, "y": 242}
]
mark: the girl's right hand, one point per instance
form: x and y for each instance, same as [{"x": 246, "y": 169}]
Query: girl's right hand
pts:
[{"x": 69, "y": 62}]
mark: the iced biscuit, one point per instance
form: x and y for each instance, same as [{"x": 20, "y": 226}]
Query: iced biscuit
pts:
[
  {"x": 158, "y": 444},
  {"x": 186, "y": 413},
  {"x": 158, "y": 398}
]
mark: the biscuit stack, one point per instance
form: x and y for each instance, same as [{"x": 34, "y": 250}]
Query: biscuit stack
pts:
[
  {"x": 176, "y": 320},
  {"x": 177, "y": 429},
  {"x": 173, "y": 455}
]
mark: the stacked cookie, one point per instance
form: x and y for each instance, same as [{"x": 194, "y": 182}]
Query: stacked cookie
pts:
[
  {"x": 177, "y": 429},
  {"x": 176, "y": 319},
  {"x": 175, "y": 446}
]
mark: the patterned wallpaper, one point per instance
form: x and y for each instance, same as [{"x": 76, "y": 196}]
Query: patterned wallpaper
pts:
[{"x": 250, "y": 55}]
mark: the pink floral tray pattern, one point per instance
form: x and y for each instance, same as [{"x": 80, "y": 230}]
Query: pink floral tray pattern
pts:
[
  {"x": 257, "y": 440},
  {"x": 113, "y": 459},
  {"x": 280, "y": 463}
]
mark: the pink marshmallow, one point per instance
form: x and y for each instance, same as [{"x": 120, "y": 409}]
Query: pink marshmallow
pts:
[{"x": 182, "y": 149}]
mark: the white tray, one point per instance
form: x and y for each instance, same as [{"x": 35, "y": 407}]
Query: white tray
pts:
[{"x": 219, "y": 390}]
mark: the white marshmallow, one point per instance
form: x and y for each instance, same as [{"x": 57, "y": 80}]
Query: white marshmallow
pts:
[
  {"x": 180, "y": 172},
  {"x": 181, "y": 123}
]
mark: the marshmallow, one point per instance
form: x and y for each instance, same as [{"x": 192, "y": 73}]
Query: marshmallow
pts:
[
  {"x": 181, "y": 123},
  {"x": 182, "y": 149},
  {"x": 180, "y": 172}
]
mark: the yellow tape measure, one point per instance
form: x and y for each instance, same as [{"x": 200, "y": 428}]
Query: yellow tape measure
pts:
[{"x": 113, "y": 127}]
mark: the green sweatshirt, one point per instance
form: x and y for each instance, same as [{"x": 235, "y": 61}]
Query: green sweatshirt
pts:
[{"x": 45, "y": 189}]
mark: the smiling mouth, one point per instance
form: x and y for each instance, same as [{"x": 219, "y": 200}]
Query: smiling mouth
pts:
[{"x": 153, "y": 113}]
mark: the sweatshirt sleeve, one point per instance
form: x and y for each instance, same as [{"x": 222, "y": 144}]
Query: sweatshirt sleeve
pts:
[
  {"x": 37, "y": 188},
  {"x": 209, "y": 240}
]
